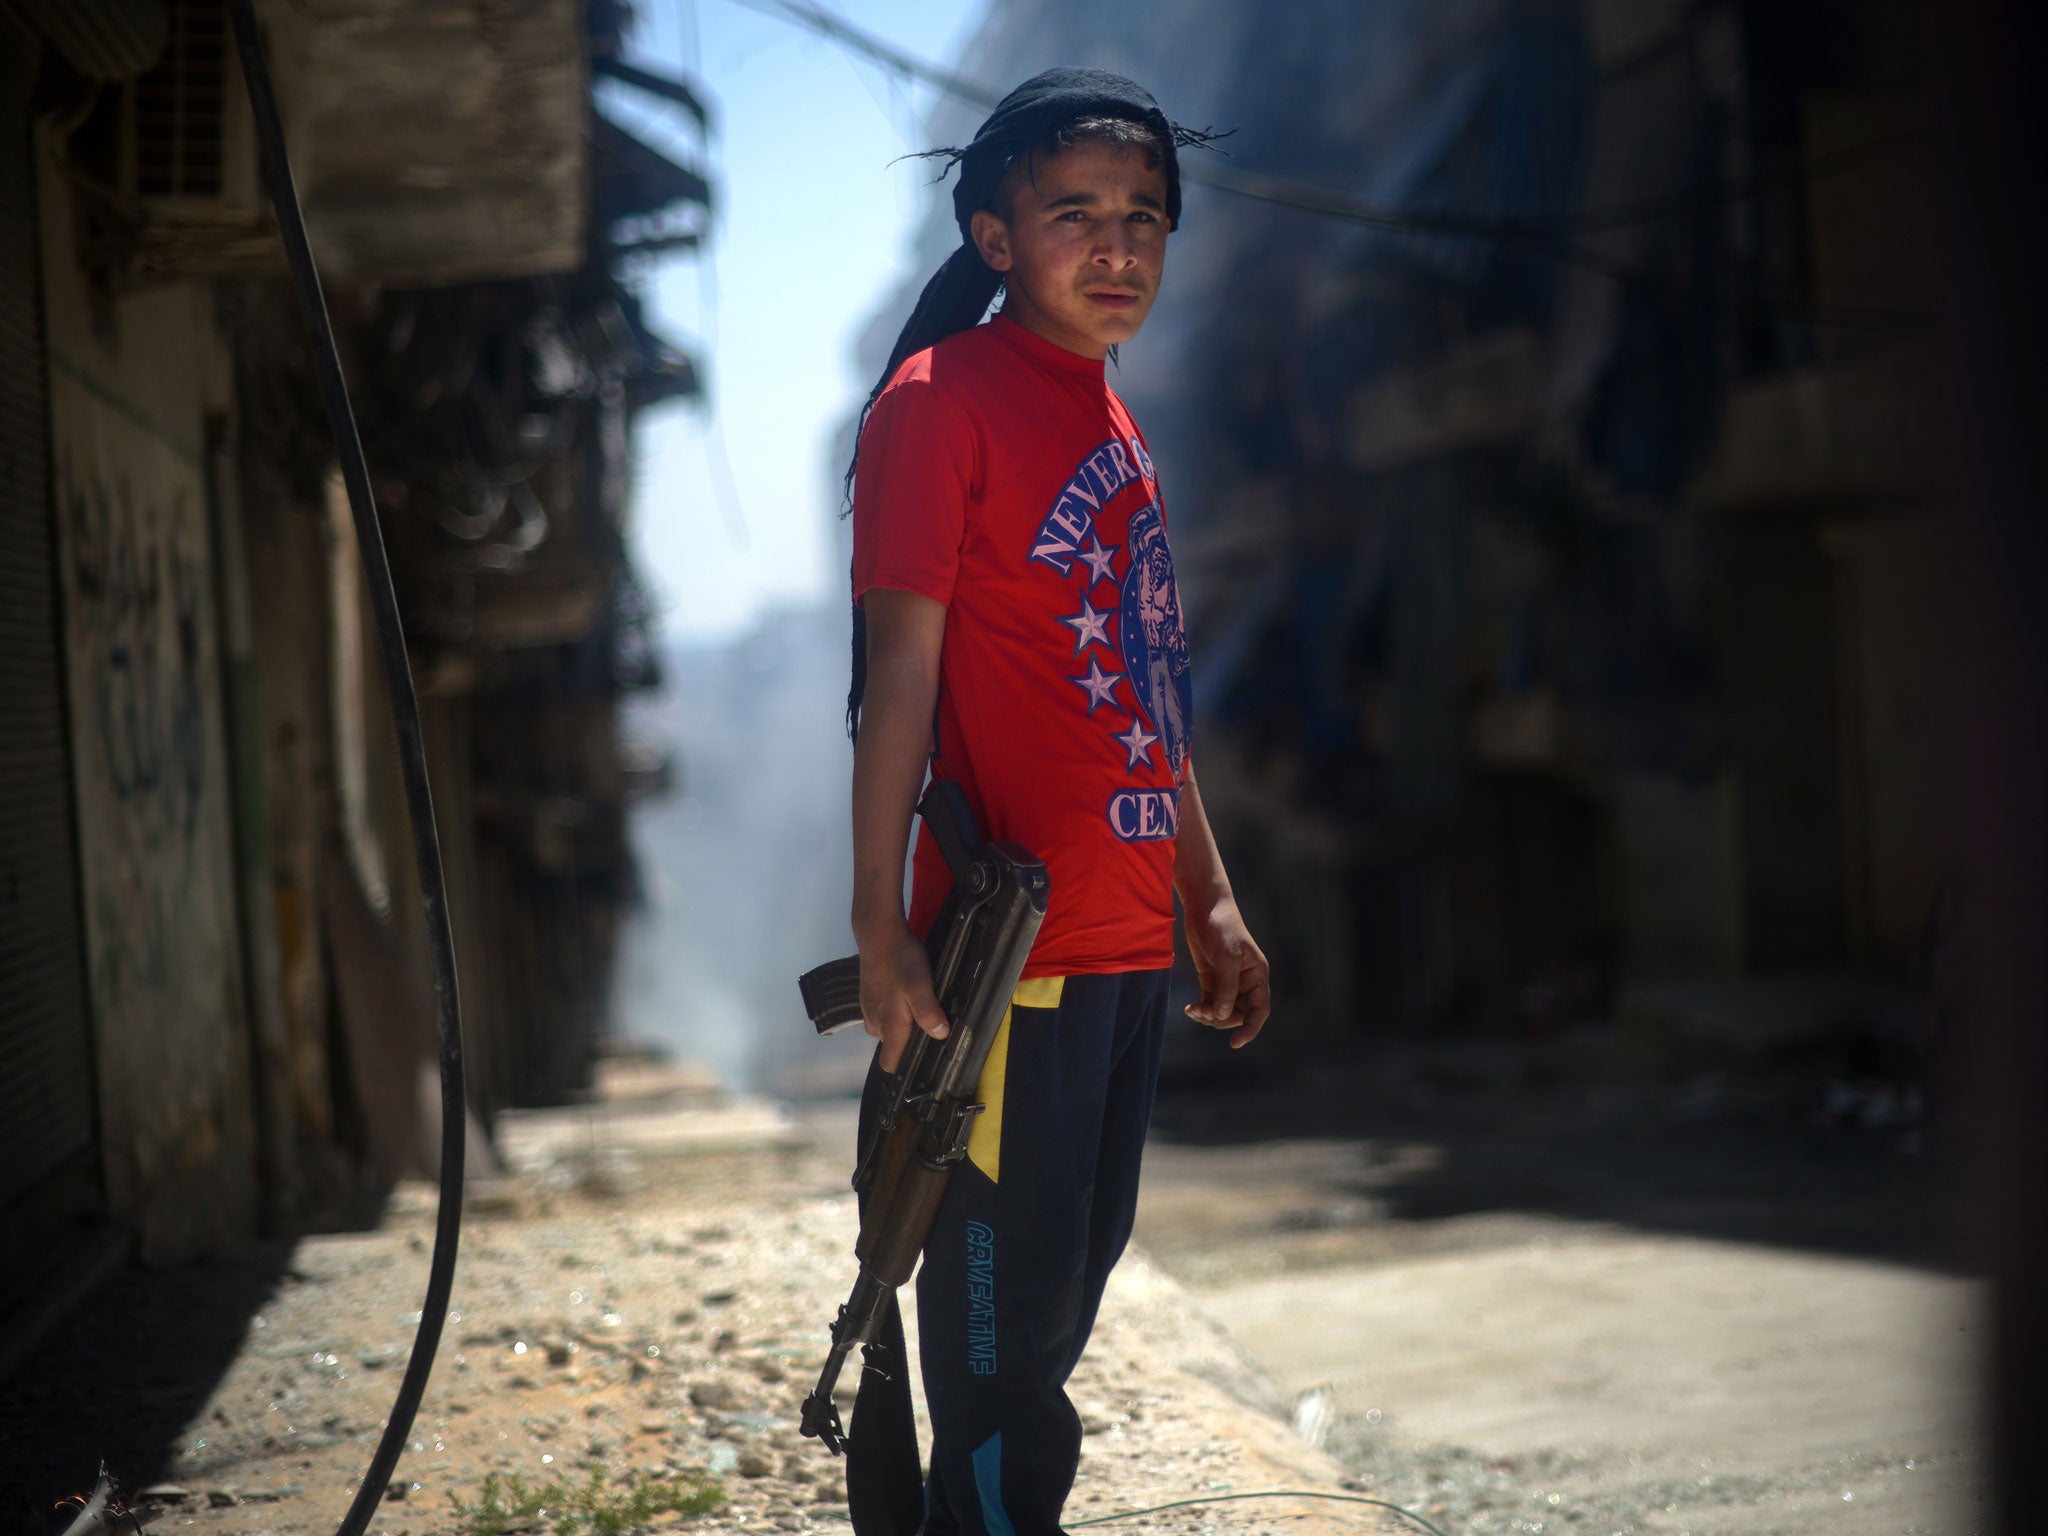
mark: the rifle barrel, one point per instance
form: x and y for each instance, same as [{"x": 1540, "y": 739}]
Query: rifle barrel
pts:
[{"x": 854, "y": 1325}]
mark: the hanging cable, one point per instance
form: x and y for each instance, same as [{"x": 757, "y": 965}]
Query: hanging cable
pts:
[
  {"x": 412, "y": 760},
  {"x": 1548, "y": 240}
]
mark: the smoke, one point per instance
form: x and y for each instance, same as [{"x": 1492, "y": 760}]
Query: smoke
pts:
[{"x": 746, "y": 863}]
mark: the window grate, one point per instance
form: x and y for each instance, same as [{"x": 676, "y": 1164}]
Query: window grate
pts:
[{"x": 178, "y": 105}]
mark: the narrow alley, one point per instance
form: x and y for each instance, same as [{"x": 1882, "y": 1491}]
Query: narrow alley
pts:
[{"x": 645, "y": 1297}]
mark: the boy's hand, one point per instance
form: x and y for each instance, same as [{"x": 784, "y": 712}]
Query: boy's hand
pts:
[
  {"x": 1236, "y": 980},
  {"x": 896, "y": 991}
]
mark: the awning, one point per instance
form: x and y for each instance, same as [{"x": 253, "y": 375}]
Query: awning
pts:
[
  {"x": 661, "y": 370},
  {"x": 655, "y": 85},
  {"x": 636, "y": 178}
]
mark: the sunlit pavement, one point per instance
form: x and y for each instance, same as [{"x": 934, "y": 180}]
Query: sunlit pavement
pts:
[
  {"x": 1696, "y": 1385},
  {"x": 1568, "y": 1310}
]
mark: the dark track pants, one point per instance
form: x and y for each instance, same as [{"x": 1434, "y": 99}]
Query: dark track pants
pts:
[{"x": 1031, "y": 1225}]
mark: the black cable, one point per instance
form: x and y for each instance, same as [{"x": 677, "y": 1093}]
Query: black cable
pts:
[
  {"x": 1704, "y": 197},
  {"x": 412, "y": 757},
  {"x": 1547, "y": 240},
  {"x": 1310, "y": 199},
  {"x": 1272, "y": 1493},
  {"x": 882, "y": 53}
]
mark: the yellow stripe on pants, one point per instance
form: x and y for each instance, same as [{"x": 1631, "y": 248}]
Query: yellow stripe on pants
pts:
[{"x": 985, "y": 1141}]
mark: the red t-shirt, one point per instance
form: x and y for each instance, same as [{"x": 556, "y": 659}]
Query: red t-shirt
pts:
[{"x": 1001, "y": 475}]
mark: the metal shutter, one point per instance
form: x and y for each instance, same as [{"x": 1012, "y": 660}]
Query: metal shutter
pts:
[{"x": 48, "y": 1157}]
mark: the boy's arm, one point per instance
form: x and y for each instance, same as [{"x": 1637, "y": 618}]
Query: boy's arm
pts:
[
  {"x": 905, "y": 634},
  {"x": 1236, "y": 980}
]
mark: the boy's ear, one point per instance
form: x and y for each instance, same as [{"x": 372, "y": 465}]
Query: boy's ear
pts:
[{"x": 992, "y": 238}]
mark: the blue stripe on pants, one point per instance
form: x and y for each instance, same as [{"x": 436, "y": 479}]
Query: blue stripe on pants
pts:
[{"x": 988, "y": 1482}]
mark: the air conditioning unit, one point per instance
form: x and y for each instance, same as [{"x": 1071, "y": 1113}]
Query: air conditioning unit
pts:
[{"x": 186, "y": 191}]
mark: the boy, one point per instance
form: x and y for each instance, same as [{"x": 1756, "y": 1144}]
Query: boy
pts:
[{"x": 1018, "y": 630}]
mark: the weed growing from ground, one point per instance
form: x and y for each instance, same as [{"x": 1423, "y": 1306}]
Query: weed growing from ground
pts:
[{"x": 591, "y": 1507}]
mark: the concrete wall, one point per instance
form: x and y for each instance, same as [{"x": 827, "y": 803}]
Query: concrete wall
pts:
[
  {"x": 285, "y": 555},
  {"x": 135, "y": 381}
]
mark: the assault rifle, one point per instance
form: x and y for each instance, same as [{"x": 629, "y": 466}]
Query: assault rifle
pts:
[{"x": 978, "y": 948}]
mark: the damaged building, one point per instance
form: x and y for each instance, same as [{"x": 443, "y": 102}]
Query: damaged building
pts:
[
  {"x": 1532, "y": 384},
  {"x": 214, "y": 1013}
]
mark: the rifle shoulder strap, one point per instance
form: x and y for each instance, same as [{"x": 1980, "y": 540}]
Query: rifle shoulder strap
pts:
[
  {"x": 884, "y": 1481},
  {"x": 884, "y": 1477}
]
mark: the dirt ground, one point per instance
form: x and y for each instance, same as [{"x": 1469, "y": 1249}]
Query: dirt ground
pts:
[
  {"x": 1511, "y": 1308},
  {"x": 648, "y": 1294}
]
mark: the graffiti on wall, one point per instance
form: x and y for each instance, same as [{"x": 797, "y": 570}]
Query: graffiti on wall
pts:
[
  {"x": 145, "y": 710},
  {"x": 129, "y": 418},
  {"x": 136, "y": 601}
]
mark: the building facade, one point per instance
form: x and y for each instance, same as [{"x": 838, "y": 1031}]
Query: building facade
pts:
[{"x": 214, "y": 1017}]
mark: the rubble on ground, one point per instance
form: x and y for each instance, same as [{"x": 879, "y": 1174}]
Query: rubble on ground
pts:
[{"x": 655, "y": 1304}]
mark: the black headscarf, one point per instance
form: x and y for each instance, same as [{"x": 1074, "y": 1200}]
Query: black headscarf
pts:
[{"x": 961, "y": 291}]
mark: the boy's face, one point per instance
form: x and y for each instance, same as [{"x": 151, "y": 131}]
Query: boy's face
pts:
[{"x": 1083, "y": 246}]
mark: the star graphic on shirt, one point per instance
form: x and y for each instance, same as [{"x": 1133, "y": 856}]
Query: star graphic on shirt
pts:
[
  {"x": 1101, "y": 685},
  {"x": 1090, "y": 625},
  {"x": 1097, "y": 559},
  {"x": 1137, "y": 741}
]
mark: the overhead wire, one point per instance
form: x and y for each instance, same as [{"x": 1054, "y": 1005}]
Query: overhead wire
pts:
[
  {"x": 739, "y": 533},
  {"x": 1716, "y": 194},
  {"x": 898, "y": 110},
  {"x": 1545, "y": 239},
  {"x": 711, "y": 431}
]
